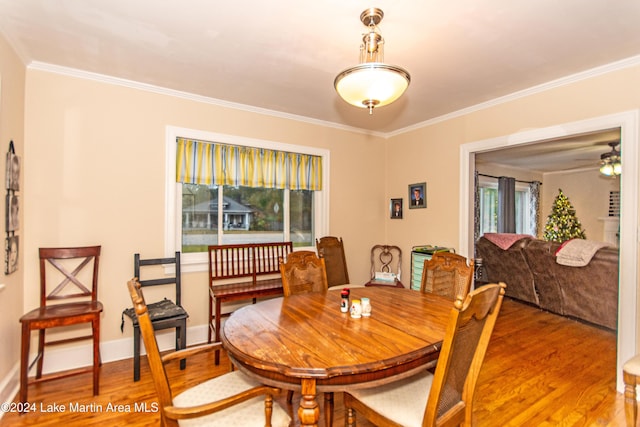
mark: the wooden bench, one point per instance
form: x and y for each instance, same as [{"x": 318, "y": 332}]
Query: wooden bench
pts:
[{"x": 256, "y": 263}]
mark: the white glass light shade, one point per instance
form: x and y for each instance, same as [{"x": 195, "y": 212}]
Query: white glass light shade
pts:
[
  {"x": 372, "y": 84},
  {"x": 617, "y": 168},
  {"x": 611, "y": 166},
  {"x": 606, "y": 169}
]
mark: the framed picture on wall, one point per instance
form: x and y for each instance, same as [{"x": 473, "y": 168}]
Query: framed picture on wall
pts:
[
  {"x": 418, "y": 195},
  {"x": 395, "y": 209}
]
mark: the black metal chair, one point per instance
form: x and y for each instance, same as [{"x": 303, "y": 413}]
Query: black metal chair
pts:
[{"x": 164, "y": 314}]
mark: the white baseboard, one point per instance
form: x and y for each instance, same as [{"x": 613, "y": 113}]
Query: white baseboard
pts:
[
  {"x": 9, "y": 385},
  {"x": 62, "y": 359},
  {"x": 110, "y": 351}
]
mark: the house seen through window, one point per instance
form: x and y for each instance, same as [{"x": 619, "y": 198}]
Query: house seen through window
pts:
[{"x": 216, "y": 214}]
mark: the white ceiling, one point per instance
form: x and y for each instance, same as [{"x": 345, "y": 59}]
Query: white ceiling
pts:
[
  {"x": 283, "y": 55},
  {"x": 577, "y": 152}
]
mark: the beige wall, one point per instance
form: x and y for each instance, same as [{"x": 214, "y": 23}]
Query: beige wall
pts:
[
  {"x": 12, "y": 81},
  {"x": 94, "y": 173},
  {"x": 432, "y": 153}
]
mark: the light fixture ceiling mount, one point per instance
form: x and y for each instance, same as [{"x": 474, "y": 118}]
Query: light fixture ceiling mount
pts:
[
  {"x": 610, "y": 162},
  {"x": 372, "y": 83}
]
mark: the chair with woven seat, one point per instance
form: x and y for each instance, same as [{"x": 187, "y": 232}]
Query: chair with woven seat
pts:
[
  {"x": 302, "y": 272},
  {"x": 164, "y": 314},
  {"x": 386, "y": 259},
  {"x": 631, "y": 375},
  {"x": 227, "y": 400},
  {"x": 68, "y": 296},
  {"x": 445, "y": 397},
  {"x": 447, "y": 274},
  {"x": 331, "y": 249}
]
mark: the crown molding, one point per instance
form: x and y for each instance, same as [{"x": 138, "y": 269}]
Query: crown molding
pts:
[
  {"x": 102, "y": 78},
  {"x": 564, "y": 81}
]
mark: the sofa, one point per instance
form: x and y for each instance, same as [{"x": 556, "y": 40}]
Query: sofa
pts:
[{"x": 530, "y": 269}]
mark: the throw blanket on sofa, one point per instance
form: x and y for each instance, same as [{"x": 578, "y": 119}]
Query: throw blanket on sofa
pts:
[
  {"x": 505, "y": 240},
  {"x": 578, "y": 252}
]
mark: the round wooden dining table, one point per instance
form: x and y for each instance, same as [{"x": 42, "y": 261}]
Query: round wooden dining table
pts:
[{"x": 305, "y": 343}]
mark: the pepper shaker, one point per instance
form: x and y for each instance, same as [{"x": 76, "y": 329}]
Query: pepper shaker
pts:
[{"x": 344, "y": 300}]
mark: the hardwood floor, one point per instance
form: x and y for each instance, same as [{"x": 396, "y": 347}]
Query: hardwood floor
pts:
[{"x": 540, "y": 370}]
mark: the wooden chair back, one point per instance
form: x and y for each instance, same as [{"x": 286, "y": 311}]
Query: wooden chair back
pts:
[
  {"x": 303, "y": 272},
  {"x": 331, "y": 249},
  {"x": 465, "y": 344},
  {"x": 173, "y": 279},
  {"x": 158, "y": 372},
  {"x": 386, "y": 259},
  {"x": 77, "y": 270},
  {"x": 447, "y": 274}
]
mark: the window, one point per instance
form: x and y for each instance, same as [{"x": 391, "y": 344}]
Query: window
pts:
[
  {"x": 488, "y": 189},
  {"x": 252, "y": 214},
  {"x": 199, "y": 214}
]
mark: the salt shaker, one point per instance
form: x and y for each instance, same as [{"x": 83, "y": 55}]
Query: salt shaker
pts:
[
  {"x": 366, "y": 307},
  {"x": 344, "y": 300}
]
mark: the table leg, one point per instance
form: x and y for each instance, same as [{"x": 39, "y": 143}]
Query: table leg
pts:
[
  {"x": 308, "y": 412},
  {"x": 328, "y": 409}
]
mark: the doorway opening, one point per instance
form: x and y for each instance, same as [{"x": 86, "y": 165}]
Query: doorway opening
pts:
[{"x": 628, "y": 122}]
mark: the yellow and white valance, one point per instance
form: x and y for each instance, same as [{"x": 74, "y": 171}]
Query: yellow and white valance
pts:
[{"x": 209, "y": 163}]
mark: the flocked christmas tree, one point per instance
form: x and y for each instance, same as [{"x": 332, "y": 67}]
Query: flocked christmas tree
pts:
[{"x": 562, "y": 223}]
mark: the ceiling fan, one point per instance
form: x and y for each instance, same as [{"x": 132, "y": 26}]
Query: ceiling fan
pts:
[{"x": 610, "y": 162}]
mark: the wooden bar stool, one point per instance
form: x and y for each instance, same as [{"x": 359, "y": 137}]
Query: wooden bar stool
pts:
[
  {"x": 66, "y": 274},
  {"x": 631, "y": 373}
]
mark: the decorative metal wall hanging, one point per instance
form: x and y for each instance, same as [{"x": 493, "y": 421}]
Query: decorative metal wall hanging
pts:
[{"x": 12, "y": 205}]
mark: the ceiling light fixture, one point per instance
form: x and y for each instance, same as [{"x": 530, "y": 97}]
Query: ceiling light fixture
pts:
[
  {"x": 372, "y": 83},
  {"x": 610, "y": 162}
]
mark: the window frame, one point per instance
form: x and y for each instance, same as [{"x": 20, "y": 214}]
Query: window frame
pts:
[{"x": 173, "y": 190}]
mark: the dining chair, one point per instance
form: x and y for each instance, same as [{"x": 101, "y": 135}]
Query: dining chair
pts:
[
  {"x": 631, "y": 375},
  {"x": 164, "y": 314},
  {"x": 331, "y": 249},
  {"x": 68, "y": 296},
  {"x": 227, "y": 400},
  {"x": 386, "y": 259},
  {"x": 444, "y": 398},
  {"x": 303, "y": 271},
  {"x": 447, "y": 274}
]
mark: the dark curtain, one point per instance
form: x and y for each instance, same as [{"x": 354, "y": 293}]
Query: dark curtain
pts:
[
  {"x": 506, "y": 205},
  {"x": 476, "y": 207}
]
